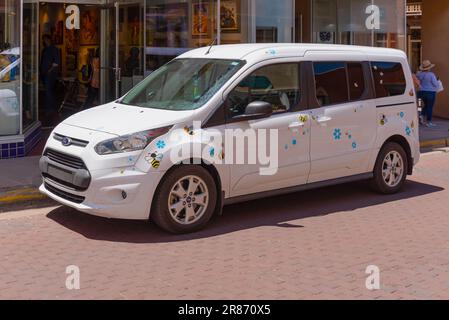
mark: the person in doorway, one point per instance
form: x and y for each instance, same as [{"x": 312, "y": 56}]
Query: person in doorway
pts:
[
  {"x": 132, "y": 63},
  {"x": 94, "y": 80},
  {"x": 49, "y": 69},
  {"x": 429, "y": 86}
]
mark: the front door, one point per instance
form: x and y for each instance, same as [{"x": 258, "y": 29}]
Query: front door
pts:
[
  {"x": 343, "y": 121},
  {"x": 284, "y": 136}
]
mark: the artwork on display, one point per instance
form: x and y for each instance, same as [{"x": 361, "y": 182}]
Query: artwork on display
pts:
[
  {"x": 89, "y": 34},
  {"x": 230, "y": 16},
  {"x": 72, "y": 39},
  {"x": 134, "y": 29},
  {"x": 200, "y": 19},
  {"x": 57, "y": 33}
]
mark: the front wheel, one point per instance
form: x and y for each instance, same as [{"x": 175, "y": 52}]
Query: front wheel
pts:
[
  {"x": 185, "y": 201},
  {"x": 390, "y": 171}
]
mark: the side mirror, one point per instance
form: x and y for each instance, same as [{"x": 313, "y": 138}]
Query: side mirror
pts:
[{"x": 256, "y": 110}]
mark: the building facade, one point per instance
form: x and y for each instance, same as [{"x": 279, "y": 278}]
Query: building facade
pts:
[{"x": 134, "y": 37}]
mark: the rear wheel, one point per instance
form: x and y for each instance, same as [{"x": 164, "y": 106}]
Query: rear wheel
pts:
[
  {"x": 390, "y": 171},
  {"x": 185, "y": 201}
]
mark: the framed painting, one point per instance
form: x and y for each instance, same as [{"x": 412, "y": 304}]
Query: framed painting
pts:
[
  {"x": 200, "y": 19},
  {"x": 230, "y": 16},
  {"x": 89, "y": 27}
]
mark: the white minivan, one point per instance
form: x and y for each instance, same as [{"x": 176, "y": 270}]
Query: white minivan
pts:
[{"x": 225, "y": 124}]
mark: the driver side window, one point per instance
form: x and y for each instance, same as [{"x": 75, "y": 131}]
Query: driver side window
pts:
[{"x": 276, "y": 84}]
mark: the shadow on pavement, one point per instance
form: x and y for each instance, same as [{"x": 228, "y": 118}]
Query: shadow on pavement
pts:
[{"x": 282, "y": 211}]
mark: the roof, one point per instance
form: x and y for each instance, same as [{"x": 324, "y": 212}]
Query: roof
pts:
[{"x": 253, "y": 50}]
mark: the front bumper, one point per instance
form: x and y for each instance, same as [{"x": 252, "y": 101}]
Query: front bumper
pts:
[{"x": 113, "y": 193}]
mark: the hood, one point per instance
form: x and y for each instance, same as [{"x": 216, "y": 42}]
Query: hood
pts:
[{"x": 119, "y": 119}]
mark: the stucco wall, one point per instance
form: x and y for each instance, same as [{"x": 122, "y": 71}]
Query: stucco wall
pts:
[{"x": 435, "y": 41}]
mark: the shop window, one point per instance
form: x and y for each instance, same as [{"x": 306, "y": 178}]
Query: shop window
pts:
[
  {"x": 356, "y": 81},
  {"x": 277, "y": 84},
  {"x": 10, "y": 64},
  {"x": 389, "y": 79},
  {"x": 331, "y": 83}
]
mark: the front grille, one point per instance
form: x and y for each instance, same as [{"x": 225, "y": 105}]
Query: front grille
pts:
[
  {"x": 63, "y": 194},
  {"x": 65, "y": 159},
  {"x": 74, "y": 141}
]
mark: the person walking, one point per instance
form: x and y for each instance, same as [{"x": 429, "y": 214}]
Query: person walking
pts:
[
  {"x": 94, "y": 80},
  {"x": 429, "y": 86},
  {"x": 49, "y": 69}
]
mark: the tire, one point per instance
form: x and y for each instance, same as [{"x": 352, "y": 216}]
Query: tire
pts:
[
  {"x": 390, "y": 174},
  {"x": 177, "y": 209}
]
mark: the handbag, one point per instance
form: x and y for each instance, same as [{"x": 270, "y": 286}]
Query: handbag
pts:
[{"x": 440, "y": 86}]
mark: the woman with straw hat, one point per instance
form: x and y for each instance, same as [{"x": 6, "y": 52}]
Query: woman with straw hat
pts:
[{"x": 429, "y": 87}]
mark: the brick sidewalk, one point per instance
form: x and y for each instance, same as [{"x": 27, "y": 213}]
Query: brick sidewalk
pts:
[{"x": 315, "y": 244}]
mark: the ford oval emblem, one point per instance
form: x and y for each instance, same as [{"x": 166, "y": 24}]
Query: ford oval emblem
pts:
[{"x": 66, "y": 141}]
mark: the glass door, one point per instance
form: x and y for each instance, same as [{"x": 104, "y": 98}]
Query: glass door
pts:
[
  {"x": 110, "y": 71},
  {"x": 122, "y": 50}
]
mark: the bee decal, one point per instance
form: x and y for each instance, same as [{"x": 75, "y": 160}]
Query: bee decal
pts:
[
  {"x": 154, "y": 159},
  {"x": 303, "y": 118},
  {"x": 189, "y": 130},
  {"x": 383, "y": 120}
]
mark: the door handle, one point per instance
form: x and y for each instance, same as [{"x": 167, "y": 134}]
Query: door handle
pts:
[
  {"x": 323, "y": 120},
  {"x": 295, "y": 125}
]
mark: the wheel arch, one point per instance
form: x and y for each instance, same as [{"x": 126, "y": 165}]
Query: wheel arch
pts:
[
  {"x": 402, "y": 141},
  {"x": 212, "y": 171}
]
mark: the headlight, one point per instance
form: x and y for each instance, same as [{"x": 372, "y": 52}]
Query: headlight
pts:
[{"x": 131, "y": 142}]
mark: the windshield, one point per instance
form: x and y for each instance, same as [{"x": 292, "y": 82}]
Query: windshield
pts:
[{"x": 182, "y": 84}]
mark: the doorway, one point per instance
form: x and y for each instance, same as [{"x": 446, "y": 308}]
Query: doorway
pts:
[{"x": 100, "y": 55}]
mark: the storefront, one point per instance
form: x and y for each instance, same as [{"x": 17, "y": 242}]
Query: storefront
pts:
[{"x": 134, "y": 37}]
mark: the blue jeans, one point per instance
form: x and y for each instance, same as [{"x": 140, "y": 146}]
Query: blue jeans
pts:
[
  {"x": 50, "y": 80},
  {"x": 428, "y": 97}
]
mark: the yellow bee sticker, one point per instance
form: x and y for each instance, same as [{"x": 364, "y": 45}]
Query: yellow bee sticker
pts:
[
  {"x": 303, "y": 118},
  {"x": 154, "y": 159}
]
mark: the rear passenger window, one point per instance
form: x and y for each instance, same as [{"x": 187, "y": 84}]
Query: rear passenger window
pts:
[
  {"x": 331, "y": 83},
  {"x": 356, "y": 81},
  {"x": 389, "y": 79}
]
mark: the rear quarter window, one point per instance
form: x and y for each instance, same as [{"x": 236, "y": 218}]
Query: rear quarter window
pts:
[{"x": 389, "y": 79}]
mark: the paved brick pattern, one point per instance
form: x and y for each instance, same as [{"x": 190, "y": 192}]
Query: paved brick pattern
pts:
[{"x": 314, "y": 245}]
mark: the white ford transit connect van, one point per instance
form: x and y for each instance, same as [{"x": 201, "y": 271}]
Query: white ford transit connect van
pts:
[{"x": 230, "y": 123}]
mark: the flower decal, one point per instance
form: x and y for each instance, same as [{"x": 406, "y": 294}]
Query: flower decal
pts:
[
  {"x": 294, "y": 142},
  {"x": 160, "y": 144},
  {"x": 337, "y": 134},
  {"x": 354, "y": 145},
  {"x": 408, "y": 131},
  {"x": 212, "y": 152},
  {"x": 401, "y": 114}
]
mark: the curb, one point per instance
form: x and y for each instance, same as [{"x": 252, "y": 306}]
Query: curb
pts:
[
  {"x": 22, "y": 195},
  {"x": 437, "y": 143}
]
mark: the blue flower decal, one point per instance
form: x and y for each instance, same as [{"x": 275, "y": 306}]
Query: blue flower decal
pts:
[
  {"x": 160, "y": 144},
  {"x": 408, "y": 131},
  {"x": 294, "y": 142},
  {"x": 337, "y": 134},
  {"x": 212, "y": 152},
  {"x": 286, "y": 147},
  {"x": 354, "y": 145},
  {"x": 402, "y": 114}
]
